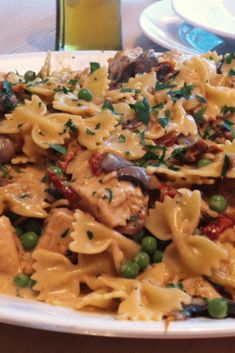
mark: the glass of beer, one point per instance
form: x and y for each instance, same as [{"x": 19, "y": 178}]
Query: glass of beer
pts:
[{"x": 88, "y": 25}]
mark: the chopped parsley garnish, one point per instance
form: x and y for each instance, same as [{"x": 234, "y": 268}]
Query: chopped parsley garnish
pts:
[
  {"x": 160, "y": 86},
  {"x": 73, "y": 82},
  {"x": 70, "y": 125},
  {"x": 227, "y": 125},
  {"x": 109, "y": 195},
  {"x": 228, "y": 58},
  {"x": 142, "y": 110},
  {"x": 90, "y": 132},
  {"x": 6, "y": 85},
  {"x": 97, "y": 126},
  {"x": 58, "y": 148},
  {"x": 184, "y": 92},
  {"x": 226, "y": 109},
  {"x": 231, "y": 72},
  {"x": 25, "y": 196},
  {"x": 199, "y": 115},
  {"x": 90, "y": 235},
  {"x": 178, "y": 151},
  {"x": 154, "y": 156},
  {"x": 108, "y": 105},
  {"x": 4, "y": 171},
  {"x": 94, "y": 66},
  {"x": 130, "y": 90},
  {"x": 200, "y": 99},
  {"x": 65, "y": 90},
  {"x": 164, "y": 121},
  {"x": 142, "y": 137},
  {"x": 226, "y": 166},
  {"x": 121, "y": 139}
]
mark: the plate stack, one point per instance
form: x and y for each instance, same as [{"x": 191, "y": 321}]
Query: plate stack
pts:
[{"x": 191, "y": 26}]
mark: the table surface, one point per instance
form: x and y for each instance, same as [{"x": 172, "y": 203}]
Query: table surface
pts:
[{"x": 29, "y": 26}]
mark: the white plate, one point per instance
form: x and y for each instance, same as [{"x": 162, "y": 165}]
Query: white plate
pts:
[
  {"x": 30, "y": 313},
  {"x": 160, "y": 24},
  {"x": 217, "y": 16}
]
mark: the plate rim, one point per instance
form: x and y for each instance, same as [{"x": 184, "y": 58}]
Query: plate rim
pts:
[
  {"x": 203, "y": 25},
  {"x": 34, "y": 314},
  {"x": 142, "y": 22}
]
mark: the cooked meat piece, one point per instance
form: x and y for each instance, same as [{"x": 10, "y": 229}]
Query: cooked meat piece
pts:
[
  {"x": 120, "y": 66},
  {"x": 56, "y": 233},
  {"x": 111, "y": 201},
  {"x": 129, "y": 63},
  {"x": 167, "y": 140},
  {"x": 145, "y": 62},
  {"x": 7, "y": 150}
]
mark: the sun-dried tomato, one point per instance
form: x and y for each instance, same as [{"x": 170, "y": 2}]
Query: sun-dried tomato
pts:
[
  {"x": 216, "y": 226},
  {"x": 64, "y": 189},
  {"x": 167, "y": 190},
  {"x": 167, "y": 140},
  {"x": 69, "y": 157},
  {"x": 95, "y": 163}
]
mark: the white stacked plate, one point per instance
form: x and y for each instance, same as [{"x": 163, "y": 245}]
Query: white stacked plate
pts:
[{"x": 161, "y": 21}]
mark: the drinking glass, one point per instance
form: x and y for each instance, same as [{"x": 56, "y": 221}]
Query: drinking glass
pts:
[{"x": 88, "y": 25}]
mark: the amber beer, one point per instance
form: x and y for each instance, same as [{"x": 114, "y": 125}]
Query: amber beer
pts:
[{"x": 88, "y": 25}]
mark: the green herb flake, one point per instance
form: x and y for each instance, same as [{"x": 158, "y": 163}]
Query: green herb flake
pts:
[
  {"x": 199, "y": 115},
  {"x": 108, "y": 105},
  {"x": 90, "y": 235},
  {"x": 4, "y": 171},
  {"x": 227, "y": 109},
  {"x": 109, "y": 195},
  {"x": 6, "y": 85},
  {"x": 65, "y": 90},
  {"x": 58, "y": 148},
  {"x": 231, "y": 72},
  {"x": 164, "y": 121},
  {"x": 71, "y": 126},
  {"x": 127, "y": 153},
  {"x": 97, "y": 126},
  {"x": 229, "y": 57},
  {"x": 161, "y": 86},
  {"x": 226, "y": 166},
  {"x": 121, "y": 139},
  {"x": 130, "y": 90},
  {"x": 142, "y": 137},
  {"x": 90, "y": 132},
  {"x": 200, "y": 99},
  {"x": 184, "y": 92},
  {"x": 94, "y": 66},
  {"x": 177, "y": 151},
  {"x": 227, "y": 125},
  {"x": 73, "y": 82},
  {"x": 133, "y": 218},
  {"x": 142, "y": 110}
]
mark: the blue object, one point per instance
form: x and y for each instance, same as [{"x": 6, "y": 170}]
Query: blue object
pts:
[{"x": 199, "y": 39}]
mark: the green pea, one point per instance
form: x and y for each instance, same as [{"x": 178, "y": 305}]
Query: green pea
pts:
[
  {"x": 29, "y": 75},
  {"x": 22, "y": 280},
  {"x": 142, "y": 259},
  {"x": 33, "y": 225},
  {"x": 157, "y": 257},
  {"x": 19, "y": 231},
  {"x": 130, "y": 270},
  {"x": 139, "y": 236},
  {"x": 218, "y": 203},
  {"x": 149, "y": 245},
  {"x": 29, "y": 240},
  {"x": 57, "y": 170},
  {"x": 218, "y": 308},
  {"x": 203, "y": 162},
  {"x": 85, "y": 94}
]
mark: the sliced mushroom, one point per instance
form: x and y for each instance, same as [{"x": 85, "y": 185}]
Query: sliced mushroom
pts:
[
  {"x": 138, "y": 175},
  {"x": 111, "y": 162}
]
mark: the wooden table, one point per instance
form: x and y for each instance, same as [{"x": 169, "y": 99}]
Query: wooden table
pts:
[{"x": 29, "y": 26}]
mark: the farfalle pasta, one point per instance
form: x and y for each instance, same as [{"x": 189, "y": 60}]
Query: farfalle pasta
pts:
[{"x": 117, "y": 185}]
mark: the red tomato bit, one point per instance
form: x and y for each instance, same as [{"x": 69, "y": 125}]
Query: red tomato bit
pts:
[
  {"x": 95, "y": 163},
  {"x": 216, "y": 226}
]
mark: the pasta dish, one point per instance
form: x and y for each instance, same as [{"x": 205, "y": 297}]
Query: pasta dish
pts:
[{"x": 117, "y": 185}]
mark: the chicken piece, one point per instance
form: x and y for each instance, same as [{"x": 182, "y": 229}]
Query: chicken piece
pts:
[
  {"x": 198, "y": 287},
  {"x": 56, "y": 234},
  {"x": 10, "y": 262},
  {"x": 111, "y": 201}
]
